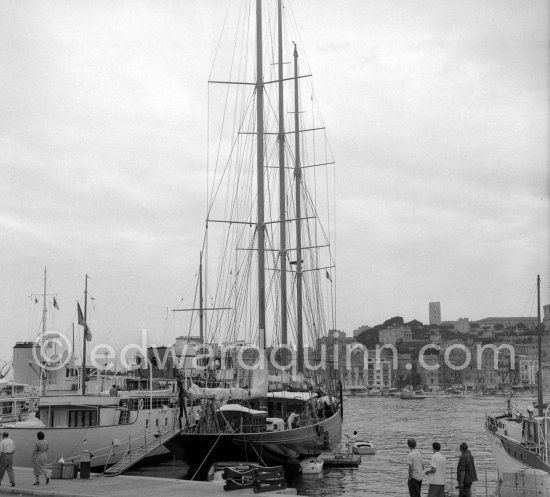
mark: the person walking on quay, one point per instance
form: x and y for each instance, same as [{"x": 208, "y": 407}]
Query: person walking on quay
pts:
[
  {"x": 465, "y": 471},
  {"x": 416, "y": 468},
  {"x": 40, "y": 458},
  {"x": 7, "y": 448},
  {"x": 437, "y": 472}
]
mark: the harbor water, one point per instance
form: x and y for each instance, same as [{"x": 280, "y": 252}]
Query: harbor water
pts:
[{"x": 388, "y": 422}]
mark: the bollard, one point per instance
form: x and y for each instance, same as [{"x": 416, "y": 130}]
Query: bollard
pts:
[
  {"x": 85, "y": 464},
  {"x": 68, "y": 471},
  {"x": 57, "y": 470}
]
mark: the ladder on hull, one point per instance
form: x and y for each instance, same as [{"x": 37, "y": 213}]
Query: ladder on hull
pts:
[{"x": 134, "y": 456}]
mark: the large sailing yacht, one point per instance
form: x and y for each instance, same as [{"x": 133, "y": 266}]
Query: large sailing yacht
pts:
[{"x": 261, "y": 393}]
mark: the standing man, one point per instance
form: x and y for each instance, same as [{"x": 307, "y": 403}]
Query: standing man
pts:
[
  {"x": 416, "y": 468},
  {"x": 465, "y": 471},
  {"x": 7, "y": 448},
  {"x": 437, "y": 472}
]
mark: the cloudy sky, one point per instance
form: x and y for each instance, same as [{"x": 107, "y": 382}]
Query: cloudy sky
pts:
[{"x": 437, "y": 112}]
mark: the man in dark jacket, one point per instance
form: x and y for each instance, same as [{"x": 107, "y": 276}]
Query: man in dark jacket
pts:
[{"x": 465, "y": 471}]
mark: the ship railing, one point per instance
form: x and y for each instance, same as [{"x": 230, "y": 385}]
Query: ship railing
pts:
[
  {"x": 136, "y": 439},
  {"x": 484, "y": 487}
]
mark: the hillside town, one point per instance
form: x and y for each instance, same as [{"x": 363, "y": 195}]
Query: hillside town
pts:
[{"x": 494, "y": 354}]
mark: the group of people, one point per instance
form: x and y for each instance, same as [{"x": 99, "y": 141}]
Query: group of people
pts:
[
  {"x": 39, "y": 458},
  {"x": 465, "y": 472}
]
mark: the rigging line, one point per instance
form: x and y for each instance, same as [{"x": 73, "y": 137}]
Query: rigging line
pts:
[
  {"x": 530, "y": 303},
  {"x": 234, "y": 114},
  {"x": 317, "y": 217},
  {"x": 220, "y": 39},
  {"x": 215, "y": 190}
]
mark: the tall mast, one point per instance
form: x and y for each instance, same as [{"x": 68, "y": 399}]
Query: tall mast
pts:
[
  {"x": 201, "y": 304},
  {"x": 540, "y": 349},
  {"x": 44, "y": 308},
  {"x": 282, "y": 203},
  {"x": 260, "y": 225},
  {"x": 298, "y": 180},
  {"x": 85, "y": 335}
]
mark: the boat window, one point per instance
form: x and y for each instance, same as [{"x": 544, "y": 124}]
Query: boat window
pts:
[
  {"x": 6, "y": 407},
  {"x": 124, "y": 417},
  {"x": 82, "y": 418}
]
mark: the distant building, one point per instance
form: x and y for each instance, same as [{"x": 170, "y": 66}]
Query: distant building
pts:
[
  {"x": 435, "y": 313},
  {"x": 379, "y": 374},
  {"x": 395, "y": 335},
  {"x": 508, "y": 322},
  {"x": 430, "y": 377},
  {"x": 546, "y": 316},
  {"x": 488, "y": 333},
  {"x": 403, "y": 373},
  {"x": 461, "y": 325},
  {"x": 528, "y": 369}
]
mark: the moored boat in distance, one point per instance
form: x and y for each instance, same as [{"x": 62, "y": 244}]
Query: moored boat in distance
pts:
[
  {"x": 407, "y": 394},
  {"x": 340, "y": 457},
  {"x": 363, "y": 448},
  {"x": 18, "y": 404},
  {"x": 355, "y": 391},
  {"x": 311, "y": 466}
]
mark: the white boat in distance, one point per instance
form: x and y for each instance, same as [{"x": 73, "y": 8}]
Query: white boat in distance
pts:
[
  {"x": 18, "y": 403},
  {"x": 407, "y": 394},
  {"x": 355, "y": 391},
  {"x": 363, "y": 448},
  {"x": 311, "y": 466}
]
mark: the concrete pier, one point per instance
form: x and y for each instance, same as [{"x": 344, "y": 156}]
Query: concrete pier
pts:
[{"x": 119, "y": 486}]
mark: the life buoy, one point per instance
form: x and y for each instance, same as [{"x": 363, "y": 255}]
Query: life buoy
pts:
[{"x": 140, "y": 404}]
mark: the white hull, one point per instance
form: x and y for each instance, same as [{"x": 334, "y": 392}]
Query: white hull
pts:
[
  {"x": 511, "y": 456},
  {"x": 504, "y": 462},
  {"x": 108, "y": 444},
  {"x": 311, "y": 466}
]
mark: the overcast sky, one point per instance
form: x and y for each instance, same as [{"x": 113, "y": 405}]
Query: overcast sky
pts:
[{"x": 437, "y": 112}]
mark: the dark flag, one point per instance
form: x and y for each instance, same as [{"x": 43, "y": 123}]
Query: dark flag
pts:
[
  {"x": 55, "y": 303},
  {"x": 81, "y": 322},
  {"x": 328, "y": 276}
]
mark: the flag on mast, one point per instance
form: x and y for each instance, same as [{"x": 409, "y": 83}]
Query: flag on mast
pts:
[
  {"x": 55, "y": 303},
  {"x": 81, "y": 322},
  {"x": 328, "y": 275}
]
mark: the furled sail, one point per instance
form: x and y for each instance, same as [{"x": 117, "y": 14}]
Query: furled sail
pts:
[{"x": 258, "y": 389}]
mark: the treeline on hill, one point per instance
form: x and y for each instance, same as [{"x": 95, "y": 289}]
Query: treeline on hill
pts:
[{"x": 369, "y": 338}]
